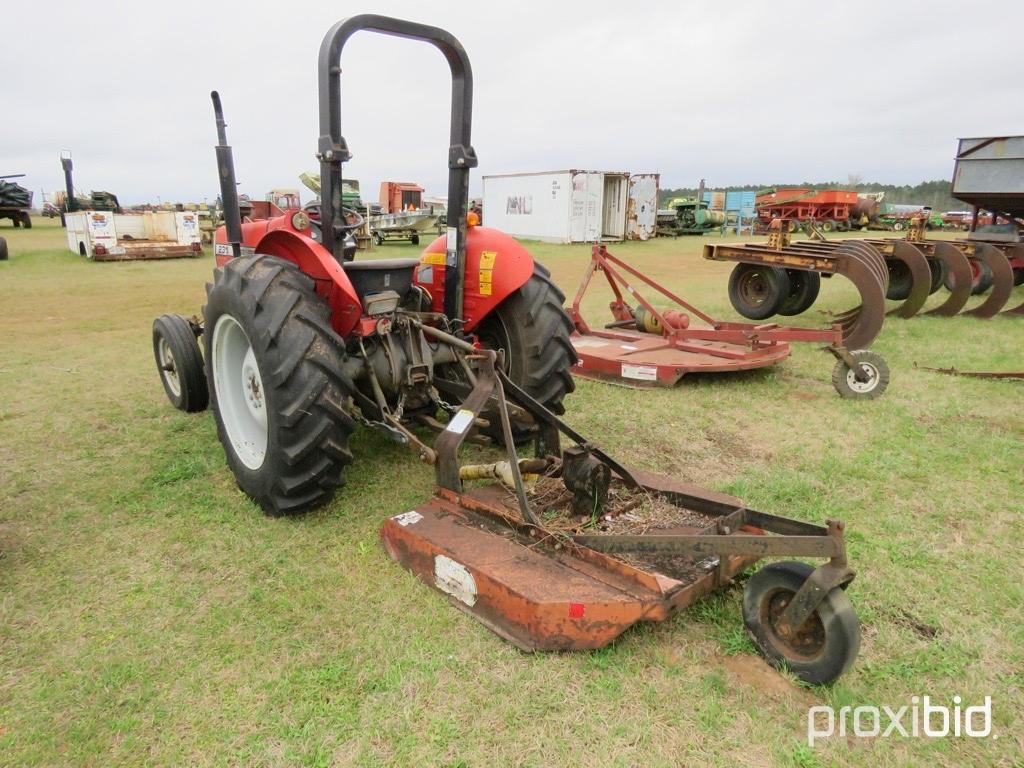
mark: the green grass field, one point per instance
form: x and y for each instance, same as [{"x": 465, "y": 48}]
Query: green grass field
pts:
[{"x": 149, "y": 613}]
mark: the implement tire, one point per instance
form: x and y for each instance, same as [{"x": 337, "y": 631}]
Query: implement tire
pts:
[
  {"x": 276, "y": 384},
  {"x": 758, "y": 291}
]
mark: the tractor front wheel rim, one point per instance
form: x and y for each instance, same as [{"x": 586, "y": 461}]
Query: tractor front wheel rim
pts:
[
  {"x": 241, "y": 400},
  {"x": 169, "y": 368}
]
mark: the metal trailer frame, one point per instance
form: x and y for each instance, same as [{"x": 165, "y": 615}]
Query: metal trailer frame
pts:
[{"x": 660, "y": 347}]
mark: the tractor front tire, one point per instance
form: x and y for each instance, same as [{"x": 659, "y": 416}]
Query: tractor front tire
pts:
[
  {"x": 180, "y": 363},
  {"x": 533, "y": 329},
  {"x": 276, "y": 383}
]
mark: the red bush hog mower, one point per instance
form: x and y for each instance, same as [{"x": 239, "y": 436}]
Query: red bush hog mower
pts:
[
  {"x": 648, "y": 346},
  {"x": 563, "y": 550}
]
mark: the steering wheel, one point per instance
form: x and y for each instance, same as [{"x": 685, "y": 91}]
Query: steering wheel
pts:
[{"x": 353, "y": 220}]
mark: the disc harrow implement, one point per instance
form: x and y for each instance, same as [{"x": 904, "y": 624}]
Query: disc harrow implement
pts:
[
  {"x": 907, "y": 270},
  {"x": 857, "y": 261}
]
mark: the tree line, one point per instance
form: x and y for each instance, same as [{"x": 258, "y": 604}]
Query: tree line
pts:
[{"x": 931, "y": 193}]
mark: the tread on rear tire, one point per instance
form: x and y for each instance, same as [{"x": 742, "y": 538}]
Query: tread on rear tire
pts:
[{"x": 305, "y": 393}]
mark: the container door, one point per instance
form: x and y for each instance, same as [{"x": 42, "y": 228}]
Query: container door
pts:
[
  {"x": 642, "y": 206},
  {"x": 584, "y": 221},
  {"x": 613, "y": 207}
]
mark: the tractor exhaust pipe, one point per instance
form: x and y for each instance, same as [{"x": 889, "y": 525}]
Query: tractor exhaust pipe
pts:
[
  {"x": 71, "y": 205},
  {"x": 228, "y": 186}
]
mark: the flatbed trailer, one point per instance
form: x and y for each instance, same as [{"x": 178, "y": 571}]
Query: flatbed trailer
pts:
[{"x": 109, "y": 236}]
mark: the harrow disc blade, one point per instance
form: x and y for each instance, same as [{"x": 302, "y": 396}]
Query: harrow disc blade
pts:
[
  {"x": 865, "y": 267},
  {"x": 960, "y": 270},
  {"x": 1002, "y": 281},
  {"x": 921, "y": 278}
]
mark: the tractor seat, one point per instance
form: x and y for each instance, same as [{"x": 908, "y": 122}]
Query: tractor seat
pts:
[{"x": 376, "y": 275}]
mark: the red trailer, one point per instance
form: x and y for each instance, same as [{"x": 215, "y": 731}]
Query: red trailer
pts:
[{"x": 830, "y": 208}]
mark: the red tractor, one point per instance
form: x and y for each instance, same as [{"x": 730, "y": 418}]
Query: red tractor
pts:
[{"x": 302, "y": 341}]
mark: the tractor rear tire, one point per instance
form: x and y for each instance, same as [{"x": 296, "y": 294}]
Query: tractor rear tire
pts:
[
  {"x": 901, "y": 281},
  {"x": 272, "y": 357},
  {"x": 533, "y": 329},
  {"x": 804, "y": 288},
  {"x": 180, "y": 363},
  {"x": 758, "y": 291}
]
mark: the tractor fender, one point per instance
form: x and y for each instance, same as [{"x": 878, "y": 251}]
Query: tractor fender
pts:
[
  {"x": 277, "y": 237},
  {"x": 497, "y": 265}
]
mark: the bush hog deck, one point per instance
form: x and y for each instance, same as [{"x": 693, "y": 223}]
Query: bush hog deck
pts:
[
  {"x": 301, "y": 344},
  {"x": 647, "y": 346}
]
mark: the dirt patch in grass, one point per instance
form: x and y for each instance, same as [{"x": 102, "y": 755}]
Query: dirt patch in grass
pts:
[{"x": 754, "y": 672}]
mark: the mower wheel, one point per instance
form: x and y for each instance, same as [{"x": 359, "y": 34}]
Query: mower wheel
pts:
[
  {"x": 277, "y": 385},
  {"x": 901, "y": 281},
  {"x": 804, "y": 287},
  {"x": 1018, "y": 275},
  {"x": 756, "y": 291},
  {"x": 180, "y": 363},
  {"x": 26, "y": 220},
  {"x": 823, "y": 648},
  {"x": 378, "y": 238},
  {"x": 3, "y": 249},
  {"x": 415, "y": 239},
  {"x": 872, "y": 365},
  {"x": 533, "y": 329}
]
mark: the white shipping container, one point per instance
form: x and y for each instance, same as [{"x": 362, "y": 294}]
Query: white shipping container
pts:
[{"x": 569, "y": 206}]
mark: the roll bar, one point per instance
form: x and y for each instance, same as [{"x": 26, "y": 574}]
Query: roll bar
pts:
[{"x": 332, "y": 149}]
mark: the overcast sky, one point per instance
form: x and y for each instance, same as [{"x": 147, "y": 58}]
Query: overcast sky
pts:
[{"x": 740, "y": 92}]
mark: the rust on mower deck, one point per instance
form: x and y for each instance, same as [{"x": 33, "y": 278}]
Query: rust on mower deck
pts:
[{"x": 545, "y": 588}]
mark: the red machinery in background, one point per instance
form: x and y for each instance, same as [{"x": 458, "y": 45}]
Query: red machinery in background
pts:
[{"x": 830, "y": 208}]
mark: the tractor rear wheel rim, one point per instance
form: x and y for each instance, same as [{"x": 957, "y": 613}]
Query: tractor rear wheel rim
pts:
[
  {"x": 241, "y": 399},
  {"x": 168, "y": 368},
  {"x": 861, "y": 387}
]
